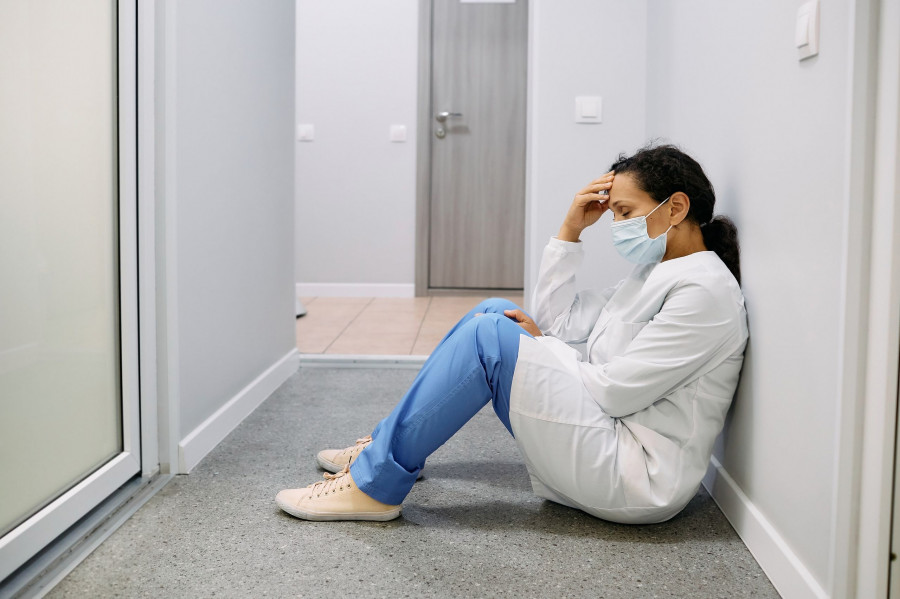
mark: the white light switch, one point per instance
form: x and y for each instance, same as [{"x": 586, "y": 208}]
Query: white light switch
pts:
[
  {"x": 588, "y": 109},
  {"x": 306, "y": 132},
  {"x": 806, "y": 33},
  {"x": 398, "y": 133},
  {"x": 801, "y": 36}
]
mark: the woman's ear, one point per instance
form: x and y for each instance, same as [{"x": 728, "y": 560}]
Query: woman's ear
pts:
[{"x": 681, "y": 205}]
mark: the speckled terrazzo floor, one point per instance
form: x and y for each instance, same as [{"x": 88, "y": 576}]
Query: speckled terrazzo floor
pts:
[{"x": 470, "y": 528}]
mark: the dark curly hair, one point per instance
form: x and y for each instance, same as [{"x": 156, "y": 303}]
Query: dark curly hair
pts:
[{"x": 663, "y": 170}]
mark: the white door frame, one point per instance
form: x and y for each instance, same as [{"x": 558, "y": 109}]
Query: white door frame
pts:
[
  {"x": 146, "y": 165},
  {"x": 423, "y": 151},
  {"x": 876, "y": 468},
  {"x": 871, "y": 328},
  {"x": 425, "y": 129},
  {"x": 26, "y": 540}
]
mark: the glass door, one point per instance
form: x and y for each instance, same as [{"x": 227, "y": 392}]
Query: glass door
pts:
[{"x": 68, "y": 395}]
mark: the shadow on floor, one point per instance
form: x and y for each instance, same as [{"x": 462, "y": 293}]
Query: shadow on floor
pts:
[{"x": 470, "y": 528}]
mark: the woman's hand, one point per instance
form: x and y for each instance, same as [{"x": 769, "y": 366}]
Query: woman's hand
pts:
[
  {"x": 524, "y": 322},
  {"x": 587, "y": 208}
]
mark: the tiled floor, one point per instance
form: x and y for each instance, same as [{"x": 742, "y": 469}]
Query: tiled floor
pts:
[{"x": 387, "y": 326}]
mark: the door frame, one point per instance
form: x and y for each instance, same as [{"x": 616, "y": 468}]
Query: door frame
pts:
[
  {"x": 864, "y": 464},
  {"x": 878, "y": 435},
  {"x": 423, "y": 158},
  {"x": 30, "y": 537},
  {"x": 423, "y": 150}
]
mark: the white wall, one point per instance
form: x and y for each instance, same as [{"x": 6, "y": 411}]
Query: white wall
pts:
[
  {"x": 356, "y": 190},
  {"x": 581, "y": 48},
  {"x": 228, "y": 187},
  {"x": 772, "y": 133},
  {"x": 356, "y": 76}
]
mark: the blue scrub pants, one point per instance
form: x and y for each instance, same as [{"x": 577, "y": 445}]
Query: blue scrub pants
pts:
[{"x": 473, "y": 364}]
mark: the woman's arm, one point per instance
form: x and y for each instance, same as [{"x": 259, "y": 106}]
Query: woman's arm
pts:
[
  {"x": 559, "y": 310},
  {"x": 695, "y": 331}
]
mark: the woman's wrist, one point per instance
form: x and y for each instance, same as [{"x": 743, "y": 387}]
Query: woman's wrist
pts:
[{"x": 569, "y": 234}]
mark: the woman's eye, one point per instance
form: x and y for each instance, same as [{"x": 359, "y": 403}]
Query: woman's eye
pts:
[{"x": 625, "y": 214}]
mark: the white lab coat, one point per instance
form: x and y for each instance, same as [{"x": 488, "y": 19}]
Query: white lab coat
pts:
[{"x": 624, "y": 430}]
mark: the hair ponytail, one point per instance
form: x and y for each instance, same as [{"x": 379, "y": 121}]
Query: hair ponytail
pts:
[
  {"x": 721, "y": 236},
  {"x": 664, "y": 170}
]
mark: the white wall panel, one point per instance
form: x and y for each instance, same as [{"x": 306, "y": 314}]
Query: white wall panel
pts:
[
  {"x": 230, "y": 180},
  {"x": 724, "y": 81},
  {"x": 581, "y": 48},
  {"x": 356, "y": 76}
]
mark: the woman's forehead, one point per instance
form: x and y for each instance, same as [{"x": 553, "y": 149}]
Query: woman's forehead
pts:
[{"x": 625, "y": 189}]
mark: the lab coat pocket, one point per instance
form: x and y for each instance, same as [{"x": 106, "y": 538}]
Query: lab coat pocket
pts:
[
  {"x": 547, "y": 386},
  {"x": 616, "y": 338}
]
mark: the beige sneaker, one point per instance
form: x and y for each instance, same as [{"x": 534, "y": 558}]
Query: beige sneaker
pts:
[
  {"x": 335, "y": 460},
  {"x": 335, "y": 498}
]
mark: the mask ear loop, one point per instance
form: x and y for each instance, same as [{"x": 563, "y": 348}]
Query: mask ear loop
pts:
[{"x": 670, "y": 216}]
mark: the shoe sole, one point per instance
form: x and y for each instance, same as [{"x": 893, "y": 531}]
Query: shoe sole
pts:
[
  {"x": 330, "y": 466},
  {"x": 333, "y": 517}
]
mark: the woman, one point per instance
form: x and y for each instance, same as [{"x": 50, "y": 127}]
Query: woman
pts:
[{"x": 622, "y": 428}]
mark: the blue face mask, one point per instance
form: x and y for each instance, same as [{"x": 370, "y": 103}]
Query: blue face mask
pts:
[{"x": 631, "y": 239}]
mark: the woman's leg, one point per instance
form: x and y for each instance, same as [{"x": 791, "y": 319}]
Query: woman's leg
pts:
[
  {"x": 493, "y": 305},
  {"x": 472, "y": 365}
]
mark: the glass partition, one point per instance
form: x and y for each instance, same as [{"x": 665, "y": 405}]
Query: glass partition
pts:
[{"x": 60, "y": 361}]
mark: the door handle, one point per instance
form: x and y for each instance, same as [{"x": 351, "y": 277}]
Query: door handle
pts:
[{"x": 442, "y": 117}]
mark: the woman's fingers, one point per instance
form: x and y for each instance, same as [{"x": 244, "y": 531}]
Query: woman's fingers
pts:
[
  {"x": 526, "y": 323},
  {"x": 596, "y": 189},
  {"x": 596, "y": 186},
  {"x": 608, "y": 177},
  {"x": 584, "y": 199},
  {"x": 518, "y": 315}
]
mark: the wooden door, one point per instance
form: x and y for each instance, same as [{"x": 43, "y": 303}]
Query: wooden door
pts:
[{"x": 477, "y": 206}]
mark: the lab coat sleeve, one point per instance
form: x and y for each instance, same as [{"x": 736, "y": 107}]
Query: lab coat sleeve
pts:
[
  {"x": 694, "y": 332},
  {"x": 558, "y": 309}
]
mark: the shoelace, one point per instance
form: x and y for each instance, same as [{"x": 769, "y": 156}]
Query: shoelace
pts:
[
  {"x": 360, "y": 445},
  {"x": 331, "y": 483}
]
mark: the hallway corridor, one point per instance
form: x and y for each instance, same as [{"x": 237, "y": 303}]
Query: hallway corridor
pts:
[
  {"x": 381, "y": 325},
  {"x": 470, "y": 528}
]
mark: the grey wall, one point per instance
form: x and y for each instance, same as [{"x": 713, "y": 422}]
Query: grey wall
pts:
[
  {"x": 581, "y": 48},
  {"x": 356, "y": 76},
  {"x": 724, "y": 81},
  {"x": 233, "y": 194}
]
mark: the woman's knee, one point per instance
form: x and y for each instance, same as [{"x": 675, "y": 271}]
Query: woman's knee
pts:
[
  {"x": 495, "y": 305},
  {"x": 491, "y": 331},
  {"x": 483, "y": 326}
]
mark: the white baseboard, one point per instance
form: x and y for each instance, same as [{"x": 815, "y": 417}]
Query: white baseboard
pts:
[
  {"x": 356, "y": 290},
  {"x": 414, "y": 362},
  {"x": 789, "y": 575},
  {"x": 196, "y": 445}
]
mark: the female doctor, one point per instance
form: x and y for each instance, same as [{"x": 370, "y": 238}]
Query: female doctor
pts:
[{"x": 614, "y": 396}]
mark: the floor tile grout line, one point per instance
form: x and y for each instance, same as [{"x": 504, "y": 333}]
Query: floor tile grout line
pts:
[
  {"x": 421, "y": 324},
  {"x": 317, "y": 318},
  {"x": 344, "y": 330}
]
